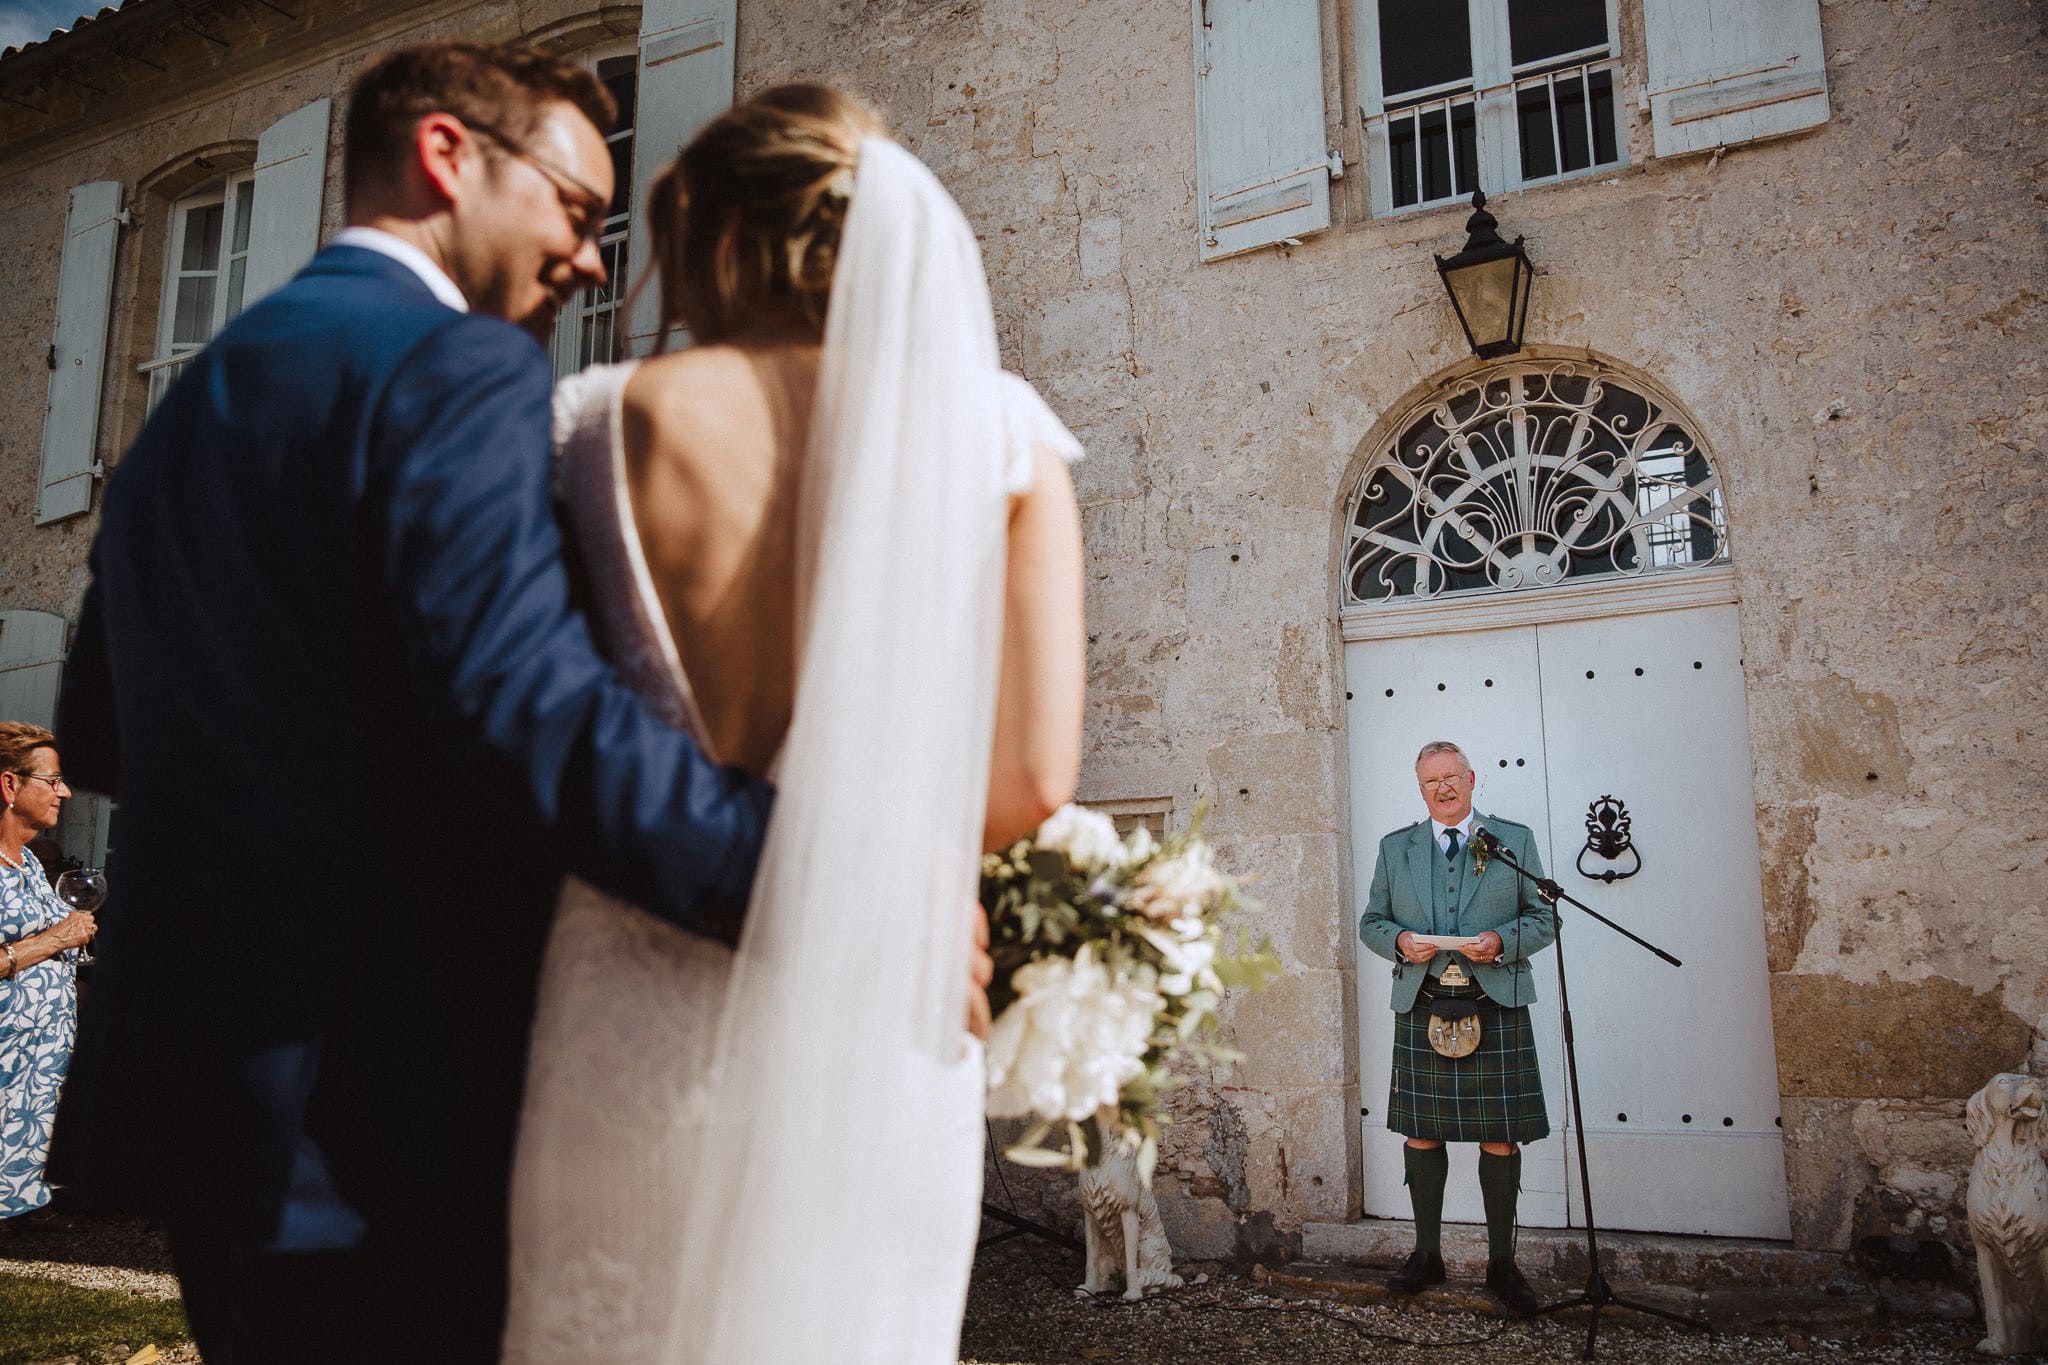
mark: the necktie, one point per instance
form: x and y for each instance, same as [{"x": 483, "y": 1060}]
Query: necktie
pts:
[{"x": 1450, "y": 845}]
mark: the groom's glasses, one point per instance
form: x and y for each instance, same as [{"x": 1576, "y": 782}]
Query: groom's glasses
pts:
[{"x": 586, "y": 209}]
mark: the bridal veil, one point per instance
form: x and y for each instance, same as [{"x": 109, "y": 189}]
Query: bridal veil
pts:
[{"x": 834, "y": 1211}]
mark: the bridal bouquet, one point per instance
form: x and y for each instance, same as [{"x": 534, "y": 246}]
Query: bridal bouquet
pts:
[{"x": 1109, "y": 967}]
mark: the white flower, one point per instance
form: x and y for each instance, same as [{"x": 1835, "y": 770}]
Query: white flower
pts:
[
  {"x": 1190, "y": 960},
  {"x": 1178, "y": 887},
  {"x": 1087, "y": 837},
  {"x": 1140, "y": 846},
  {"x": 1074, "y": 1035}
]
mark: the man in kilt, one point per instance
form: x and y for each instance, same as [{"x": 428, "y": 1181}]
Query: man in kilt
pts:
[{"x": 1429, "y": 880}]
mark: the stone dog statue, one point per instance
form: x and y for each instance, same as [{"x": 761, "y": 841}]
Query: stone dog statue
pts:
[
  {"x": 1121, "y": 1221},
  {"x": 2008, "y": 1204}
]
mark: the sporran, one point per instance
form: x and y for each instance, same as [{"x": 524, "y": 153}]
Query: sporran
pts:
[{"x": 1454, "y": 1027}]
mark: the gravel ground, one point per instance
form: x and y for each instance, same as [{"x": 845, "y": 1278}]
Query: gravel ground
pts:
[
  {"x": 90, "y": 1250},
  {"x": 1022, "y": 1310}
]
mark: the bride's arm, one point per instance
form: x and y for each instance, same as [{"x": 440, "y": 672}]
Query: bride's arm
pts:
[{"x": 1038, "y": 705}]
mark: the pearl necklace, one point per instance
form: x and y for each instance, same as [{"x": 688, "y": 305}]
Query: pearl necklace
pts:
[{"x": 18, "y": 866}]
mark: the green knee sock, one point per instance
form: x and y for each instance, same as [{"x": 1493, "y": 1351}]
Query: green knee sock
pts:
[
  {"x": 1500, "y": 1180},
  {"x": 1428, "y": 1169}
]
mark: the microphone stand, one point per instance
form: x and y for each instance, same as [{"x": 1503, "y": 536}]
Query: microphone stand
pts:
[
  {"x": 1597, "y": 1294},
  {"x": 1017, "y": 1223}
]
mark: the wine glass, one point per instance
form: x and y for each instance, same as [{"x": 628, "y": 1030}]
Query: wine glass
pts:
[{"x": 83, "y": 888}]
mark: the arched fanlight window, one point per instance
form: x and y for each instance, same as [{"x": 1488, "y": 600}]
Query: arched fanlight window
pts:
[{"x": 1525, "y": 475}]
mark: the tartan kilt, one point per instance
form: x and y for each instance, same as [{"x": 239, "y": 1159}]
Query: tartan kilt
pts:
[{"x": 1494, "y": 1095}]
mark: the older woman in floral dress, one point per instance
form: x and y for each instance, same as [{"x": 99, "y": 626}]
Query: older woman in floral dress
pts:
[{"x": 38, "y": 984}]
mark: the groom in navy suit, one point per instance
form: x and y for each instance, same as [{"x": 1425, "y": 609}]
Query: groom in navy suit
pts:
[{"x": 329, "y": 664}]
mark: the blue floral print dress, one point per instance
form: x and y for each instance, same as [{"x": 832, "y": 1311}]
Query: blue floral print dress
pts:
[{"x": 38, "y": 1020}]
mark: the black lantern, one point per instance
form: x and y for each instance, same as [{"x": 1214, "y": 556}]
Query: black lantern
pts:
[{"x": 1489, "y": 285}]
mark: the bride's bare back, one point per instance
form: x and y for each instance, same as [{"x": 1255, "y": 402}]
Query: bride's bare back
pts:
[
  {"x": 714, "y": 440},
  {"x": 714, "y": 444}
]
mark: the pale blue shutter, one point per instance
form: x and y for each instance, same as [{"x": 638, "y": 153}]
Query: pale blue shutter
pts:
[
  {"x": 291, "y": 179},
  {"x": 686, "y": 69},
  {"x": 31, "y": 660},
  {"x": 78, "y": 353},
  {"x": 1262, "y": 160},
  {"x": 1729, "y": 71}
]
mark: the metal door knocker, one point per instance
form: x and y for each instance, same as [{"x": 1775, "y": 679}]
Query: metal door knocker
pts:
[{"x": 1607, "y": 836}]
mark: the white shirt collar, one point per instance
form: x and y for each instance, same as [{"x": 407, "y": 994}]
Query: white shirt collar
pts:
[
  {"x": 407, "y": 255},
  {"x": 1464, "y": 828}
]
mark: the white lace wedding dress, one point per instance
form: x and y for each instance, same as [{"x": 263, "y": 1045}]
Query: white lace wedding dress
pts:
[{"x": 775, "y": 1155}]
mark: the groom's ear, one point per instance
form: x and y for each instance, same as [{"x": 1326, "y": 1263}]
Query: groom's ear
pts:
[{"x": 442, "y": 146}]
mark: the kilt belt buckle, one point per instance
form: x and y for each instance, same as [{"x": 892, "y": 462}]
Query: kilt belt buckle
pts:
[{"x": 1453, "y": 1026}]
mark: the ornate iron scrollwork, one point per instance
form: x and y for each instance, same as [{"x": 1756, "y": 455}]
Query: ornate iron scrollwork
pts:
[
  {"x": 1607, "y": 835},
  {"x": 1525, "y": 475}
]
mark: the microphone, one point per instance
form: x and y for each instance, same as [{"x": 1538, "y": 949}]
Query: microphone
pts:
[{"x": 1484, "y": 837}]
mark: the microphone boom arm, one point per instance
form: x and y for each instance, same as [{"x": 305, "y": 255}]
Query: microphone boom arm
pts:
[{"x": 1552, "y": 893}]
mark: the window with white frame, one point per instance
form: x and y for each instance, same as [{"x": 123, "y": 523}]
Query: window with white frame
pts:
[
  {"x": 205, "y": 274},
  {"x": 1492, "y": 94},
  {"x": 590, "y": 330}
]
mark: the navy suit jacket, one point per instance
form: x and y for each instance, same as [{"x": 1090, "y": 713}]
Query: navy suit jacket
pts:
[{"x": 330, "y": 666}]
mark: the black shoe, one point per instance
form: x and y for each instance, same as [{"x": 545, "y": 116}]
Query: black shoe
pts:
[
  {"x": 1507, "y": 1284},
  {"x": 1422, "y": 1268}
]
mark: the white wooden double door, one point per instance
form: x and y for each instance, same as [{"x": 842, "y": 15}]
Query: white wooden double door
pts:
[{"x": 1676, "y": 1065}]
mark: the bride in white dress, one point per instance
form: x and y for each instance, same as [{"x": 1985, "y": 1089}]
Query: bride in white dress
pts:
[{"x": 834, "y": 541}]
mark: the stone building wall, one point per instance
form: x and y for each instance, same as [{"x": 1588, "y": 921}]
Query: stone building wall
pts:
[
  {"x": 1890, "y": 556},
  {"x": 1853, "y": 317}
]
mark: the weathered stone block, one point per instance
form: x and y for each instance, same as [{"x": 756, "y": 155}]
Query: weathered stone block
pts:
[
  {"x": 1275, "y": 784},
  {"x": 1896, "y": 1039}
]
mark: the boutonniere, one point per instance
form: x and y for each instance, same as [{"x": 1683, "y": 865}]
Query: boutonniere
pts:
[{"x": 1478, "y": 858}]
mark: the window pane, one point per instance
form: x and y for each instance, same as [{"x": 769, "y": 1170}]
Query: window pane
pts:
[
  {"x": 1401, "y": 159},
  {"x": 245, "y": 202},
  {"x": 1532, "y": 124},
  {"x": 615, "y": 266},
  {"x": 618, "y": 75},
  {"x": 193, "y": 321},
  {"x": 1546, "y": 28},
  {"x": 1423, "y": 43},
  {"x": 1571, "y": 123},
  {"x": 1465, "y": 145},
  {"x": 237, "y": 268},
  {"x": 1550, "y": 149},
  {"x": 202, "y": 238},
  {"x": 1604, "y": 149},
  {"x": 1432, "y": 179},
  {"x": 622, "y": 177}
]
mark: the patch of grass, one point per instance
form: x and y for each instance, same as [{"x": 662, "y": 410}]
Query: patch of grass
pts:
[{"x": 41, "y": 1318}]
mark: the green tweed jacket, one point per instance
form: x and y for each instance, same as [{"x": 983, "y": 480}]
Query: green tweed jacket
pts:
[{"x": 1401, "y": 898}]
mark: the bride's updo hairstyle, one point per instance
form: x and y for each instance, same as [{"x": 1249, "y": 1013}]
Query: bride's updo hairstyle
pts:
[{"x": 747, "y": 221}]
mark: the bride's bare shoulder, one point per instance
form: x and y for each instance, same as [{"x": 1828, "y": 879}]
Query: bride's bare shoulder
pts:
[
  {"x": 713, "y": 394},
  {"x": 704, "y": 381}
]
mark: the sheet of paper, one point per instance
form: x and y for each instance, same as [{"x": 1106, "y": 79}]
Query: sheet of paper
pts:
[{"x": 1447, "y": 940}]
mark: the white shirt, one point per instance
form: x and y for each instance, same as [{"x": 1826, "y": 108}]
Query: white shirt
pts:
[
  {"x": 407, "y": 255},
  {"x": 1464, "y": 828}
]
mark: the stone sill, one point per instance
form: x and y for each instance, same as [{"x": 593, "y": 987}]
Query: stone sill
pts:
[{"x": 1560, "y": 1254}]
